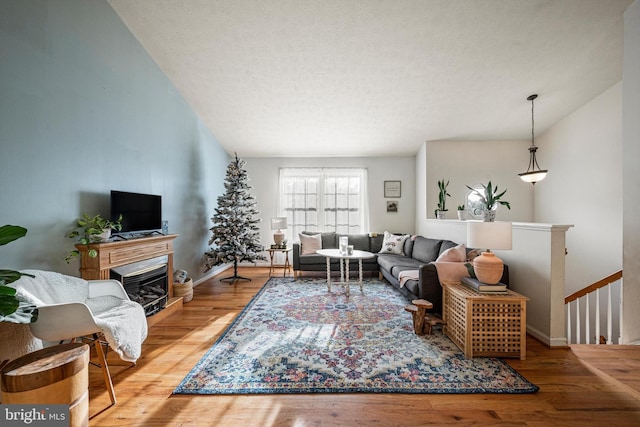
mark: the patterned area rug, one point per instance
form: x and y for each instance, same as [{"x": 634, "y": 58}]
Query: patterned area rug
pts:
[{"x": 296, "y": 337}]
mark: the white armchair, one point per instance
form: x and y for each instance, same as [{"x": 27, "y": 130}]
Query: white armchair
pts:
[
  {"x": 74, "y": 320},
  {"x": 59, "y": 322},
  {"x": 96, "y": 311}
]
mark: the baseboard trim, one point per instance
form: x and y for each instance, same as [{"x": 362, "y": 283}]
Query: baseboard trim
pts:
[
  {"x": 546, "y": 339},
  {"x": 212, "y": 273}
]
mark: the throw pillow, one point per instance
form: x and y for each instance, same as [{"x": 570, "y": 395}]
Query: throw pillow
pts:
[
  {"x": 393, "y": 243},
  {"x": 472, "y": 253},
  {"x": 309, "y": 243},
  {"x": 455, "y": 254}
]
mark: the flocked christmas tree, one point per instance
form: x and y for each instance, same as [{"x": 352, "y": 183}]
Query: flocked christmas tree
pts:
[{"x": 235, "y": 233}]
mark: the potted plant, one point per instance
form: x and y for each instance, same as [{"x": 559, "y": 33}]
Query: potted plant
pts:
[
  {"x": 92, "y": 229},
  {"x": 490, "y": 198},
  {"x": 12, "y": 310},
  {"x": 462, "y": 213},
  {"x": 441, "y": 212}
]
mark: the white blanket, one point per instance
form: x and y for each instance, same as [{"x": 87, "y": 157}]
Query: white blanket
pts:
[{"x": 122, "y": 322}]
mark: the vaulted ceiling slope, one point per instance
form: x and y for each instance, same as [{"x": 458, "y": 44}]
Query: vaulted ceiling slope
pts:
[{"x": 378, "y": 77}]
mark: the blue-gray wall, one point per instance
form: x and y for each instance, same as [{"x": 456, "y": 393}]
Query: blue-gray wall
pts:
[{"x": 84, "y": 110}]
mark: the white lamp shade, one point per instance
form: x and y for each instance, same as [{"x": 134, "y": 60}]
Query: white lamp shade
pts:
[
  {"x": 489, "y": 235},
  {"x": 278, "y": 223}
]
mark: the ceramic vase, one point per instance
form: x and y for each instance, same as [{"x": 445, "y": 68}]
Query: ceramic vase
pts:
[
  {"x": 489, "y": 215},
  {"x": 105, "y": 235},
  {"x": 488, "y": 268}
]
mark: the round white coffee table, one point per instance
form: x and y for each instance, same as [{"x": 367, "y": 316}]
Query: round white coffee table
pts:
[{"x": 344, "y": 259}]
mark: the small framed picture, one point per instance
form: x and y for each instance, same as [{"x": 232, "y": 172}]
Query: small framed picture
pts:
[
  {"x": 392, "y": 189},
  {"x": 392, "y": 206}
]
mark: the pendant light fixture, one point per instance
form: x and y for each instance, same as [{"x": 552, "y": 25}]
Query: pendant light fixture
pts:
[{"x": 533, "y": 173}]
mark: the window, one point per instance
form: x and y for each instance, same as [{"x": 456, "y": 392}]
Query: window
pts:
[{"x": 331, "y": 199}]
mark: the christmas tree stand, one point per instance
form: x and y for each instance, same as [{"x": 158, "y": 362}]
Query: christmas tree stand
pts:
[{"x": 235, "y": 275}]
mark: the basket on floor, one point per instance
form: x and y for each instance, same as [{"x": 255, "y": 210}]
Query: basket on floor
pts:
[{"x": 184, "y": 290}]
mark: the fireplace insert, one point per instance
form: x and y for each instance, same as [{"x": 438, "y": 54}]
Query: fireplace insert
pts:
[{"x": 146, "y": 282}]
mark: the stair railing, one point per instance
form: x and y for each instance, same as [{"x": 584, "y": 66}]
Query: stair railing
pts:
[{"x": 583, "y": 295}]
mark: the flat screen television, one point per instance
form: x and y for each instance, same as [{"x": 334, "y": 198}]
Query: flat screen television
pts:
[{"x": 140, "y": 212}]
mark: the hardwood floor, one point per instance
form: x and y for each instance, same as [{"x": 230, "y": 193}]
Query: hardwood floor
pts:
[{"x": 581, "y": 386}]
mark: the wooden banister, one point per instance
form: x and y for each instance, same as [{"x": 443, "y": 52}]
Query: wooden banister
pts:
[{"x": 591, "y": 288}]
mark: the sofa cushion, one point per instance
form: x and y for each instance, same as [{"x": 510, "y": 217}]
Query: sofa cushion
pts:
[
  {"x": 425, "y": 249},
  {"x": 376, "y": 242},
  {"x": 315, "y": 259},
  {"x": 309, "y": 243},
  {"x": 360, "y": 242},
  {"x": 472, "y": 254},
  {"x": 455, "y": 254},
  {"x": 407, "y": 249},
  {"x": 396, "y": 269},
  {"x": 447, "y": 244},
  {"x": 389, "y": 261},
  {"x": 328, "y": 238},
  {"x": 393, "y": 243}
]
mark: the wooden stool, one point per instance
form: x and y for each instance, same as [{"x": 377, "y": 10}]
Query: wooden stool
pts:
[
  {"x": 53, "y": 375},
  {"x": 422, "y": 322}
]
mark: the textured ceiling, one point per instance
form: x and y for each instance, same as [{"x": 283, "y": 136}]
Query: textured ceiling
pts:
[{"x": 378, "y": 78}]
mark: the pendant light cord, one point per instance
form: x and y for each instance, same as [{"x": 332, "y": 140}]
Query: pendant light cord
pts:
[{"x": 532, "y": 124}]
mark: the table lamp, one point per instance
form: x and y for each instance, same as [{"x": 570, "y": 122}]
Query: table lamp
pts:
[
  {"x": 488, "y": 235},
  {"x": 278, "y": 223}
]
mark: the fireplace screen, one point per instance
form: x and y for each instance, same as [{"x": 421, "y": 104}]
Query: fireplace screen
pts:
[{"x": 146, "y": 282}]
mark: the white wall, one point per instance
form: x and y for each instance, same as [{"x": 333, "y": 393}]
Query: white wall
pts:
[
  {"x": 421, "y": 190},
  {"x": 263, "y": 174},
  {"x": 470, "y": 163},
  {"x": 631, "y": 154},
  {"x": 583, "y": 153}
]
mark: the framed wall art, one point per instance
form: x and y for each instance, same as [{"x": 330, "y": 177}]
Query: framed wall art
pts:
[
  {"x": 392, "y": 206},
  {"x": 392, "y": 189}
]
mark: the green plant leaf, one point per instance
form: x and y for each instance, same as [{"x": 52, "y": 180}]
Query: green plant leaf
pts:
[
  {"x": 9, "y": 233},
  {"x": 442, "y": 194},
  {"x": 12, "y": 310},
  {"x": 8, "y": 303},
  {"x": 470, "y": 269},
  {"x": 7, "y": 290},
  {"x": 24, "y": 313},
  {"x": 10, "y": 276}
]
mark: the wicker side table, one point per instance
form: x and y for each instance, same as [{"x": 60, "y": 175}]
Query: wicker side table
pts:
[{"x": 485, "y": 324}]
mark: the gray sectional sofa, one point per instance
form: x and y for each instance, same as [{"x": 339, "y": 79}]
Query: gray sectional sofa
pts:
[{"x": 418, "y": 254}]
